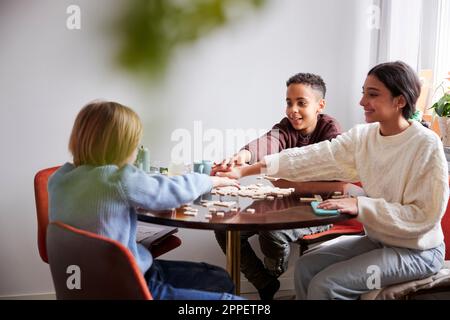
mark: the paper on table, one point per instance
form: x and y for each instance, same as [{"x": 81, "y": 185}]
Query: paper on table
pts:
[{"x": 149, "y": 234}]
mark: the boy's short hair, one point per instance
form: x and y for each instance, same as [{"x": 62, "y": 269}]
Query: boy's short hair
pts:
[
  {"x": 316, "y": 82},
  {"x": 104, "y": 133}
]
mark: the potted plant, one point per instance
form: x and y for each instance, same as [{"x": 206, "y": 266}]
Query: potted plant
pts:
[{"x": 442, "y": 110}]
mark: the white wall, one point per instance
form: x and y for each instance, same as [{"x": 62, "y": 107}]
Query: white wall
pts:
[{"x": 234, "y": 78}]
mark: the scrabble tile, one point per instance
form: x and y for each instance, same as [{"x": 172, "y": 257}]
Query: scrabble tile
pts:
[
  {"x": 207, "y": 204},
  {"x": 271, "y": 178},
  {"x": 307, "y": 199},
  {"x": 224, "y": 203}
]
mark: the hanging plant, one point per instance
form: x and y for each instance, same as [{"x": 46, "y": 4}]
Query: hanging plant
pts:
[{"x": 150, "y": 30}]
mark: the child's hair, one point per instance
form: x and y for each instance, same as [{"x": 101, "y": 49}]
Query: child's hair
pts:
[
  {"x": 316, "y": 82},
  {"x": 104, "y": 133},
  {"x": 400, "y": 79}
]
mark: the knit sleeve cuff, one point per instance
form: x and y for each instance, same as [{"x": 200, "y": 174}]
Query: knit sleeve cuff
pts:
[
  {"x": 362, "y": 207},
  {"x": 272, "y": 164},
  {"x": 252, "y": 154}
]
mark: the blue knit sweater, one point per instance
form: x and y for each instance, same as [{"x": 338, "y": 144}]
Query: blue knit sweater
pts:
[{"x": 104, "y": 199}]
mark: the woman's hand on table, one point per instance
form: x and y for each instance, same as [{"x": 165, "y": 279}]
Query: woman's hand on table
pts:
[{"x": 345, "y": 205}]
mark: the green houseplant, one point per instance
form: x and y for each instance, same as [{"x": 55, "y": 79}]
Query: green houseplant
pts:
[
  {"x": 149, "y": 32},
  {"x": 441, "y": 108}
]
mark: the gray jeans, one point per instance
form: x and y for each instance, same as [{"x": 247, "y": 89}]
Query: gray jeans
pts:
[
  {"x": 347, "y": 269},
  {"x": 275, "y": 245}
]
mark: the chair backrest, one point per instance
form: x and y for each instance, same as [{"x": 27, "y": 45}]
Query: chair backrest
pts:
[
  {"x": 85, "y": 265},
  {"x": 445, "y": 224},
  {"x": 41, "y": 198}
]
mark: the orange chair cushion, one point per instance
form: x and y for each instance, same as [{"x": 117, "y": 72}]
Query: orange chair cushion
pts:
[{"x": 337, "y": 229}]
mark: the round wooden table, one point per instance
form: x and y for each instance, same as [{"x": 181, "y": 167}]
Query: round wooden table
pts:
[{"x": 280, "y": 213}]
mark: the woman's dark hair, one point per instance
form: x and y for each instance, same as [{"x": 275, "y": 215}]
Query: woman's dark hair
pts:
[{"x": 400, "y": 79}]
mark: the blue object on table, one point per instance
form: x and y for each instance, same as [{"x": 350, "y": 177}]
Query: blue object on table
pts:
[
  {"x": 198, "y": 167},
  {"x": 143, "y": 159},
  {"x": 207, "y": 166},
  {"x": 323, "y": 212}
]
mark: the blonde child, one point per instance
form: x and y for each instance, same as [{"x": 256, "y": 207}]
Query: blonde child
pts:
[{"x": 101, "y": 190}]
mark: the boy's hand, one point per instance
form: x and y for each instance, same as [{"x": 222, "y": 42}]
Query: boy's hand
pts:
[
  {"x": 224, "y": 182},
  {"x": 346, "y": 205},
  {"x": 239, "y": 159},
  {"x": 233, "y": 173}
]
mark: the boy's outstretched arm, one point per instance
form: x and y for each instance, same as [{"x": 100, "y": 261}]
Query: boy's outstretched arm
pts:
[
  {"x": 238, "y": 172},
  {"x": 271, "y": 142},
  {"x": 239, "y": 159}
]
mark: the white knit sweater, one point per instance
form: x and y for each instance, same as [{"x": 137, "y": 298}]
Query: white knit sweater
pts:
[{"x": 405, "y": 177}]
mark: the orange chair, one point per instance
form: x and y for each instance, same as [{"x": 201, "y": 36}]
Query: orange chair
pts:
[
  {"x": 87, "y": 266},
  {"x": 445, "y": 224},
  {"x": 41, "y": 197},
  {"x": 349, "y": 227}
]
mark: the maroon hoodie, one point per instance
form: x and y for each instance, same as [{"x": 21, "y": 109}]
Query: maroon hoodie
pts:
[{"x": 284, "y": 136}]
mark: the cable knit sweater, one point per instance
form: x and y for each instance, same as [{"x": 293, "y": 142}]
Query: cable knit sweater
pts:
[
  {"x": 104, "y": 199},
  {"x": 405, "y": 177}
]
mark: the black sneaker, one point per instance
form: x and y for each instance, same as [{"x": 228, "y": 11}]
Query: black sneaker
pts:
[{"x": 269, "y": 290}]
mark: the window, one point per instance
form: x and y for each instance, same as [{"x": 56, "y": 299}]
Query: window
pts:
[{"x": 417, "y": 32}]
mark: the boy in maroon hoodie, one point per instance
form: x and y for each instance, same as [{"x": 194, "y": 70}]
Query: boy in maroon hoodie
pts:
[{"x": 303, "y": 125}]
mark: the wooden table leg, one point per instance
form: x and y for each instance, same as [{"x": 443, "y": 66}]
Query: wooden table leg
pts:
[{"x": 234, "y": 258}]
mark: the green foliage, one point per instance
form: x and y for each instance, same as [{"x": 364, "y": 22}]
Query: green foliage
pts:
[
  {"x": 442, "y": 107},
  {"x": 150, "y": 30}
]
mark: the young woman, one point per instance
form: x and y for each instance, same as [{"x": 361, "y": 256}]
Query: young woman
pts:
[
  {"x": 403, "y": 170},
  {"x": 101, "y": 191}
]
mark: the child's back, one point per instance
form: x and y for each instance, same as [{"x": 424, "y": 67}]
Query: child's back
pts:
[
  {"x": 101, "y": 191},
  {"x": 103, "y": 200}
]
